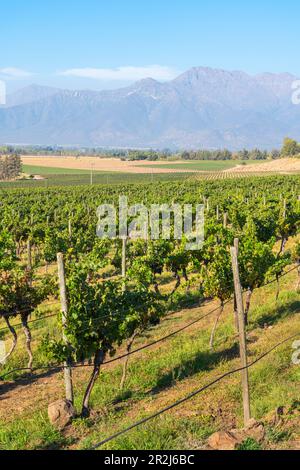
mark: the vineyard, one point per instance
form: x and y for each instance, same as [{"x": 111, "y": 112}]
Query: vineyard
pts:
[{"x": 143, "y": 336}]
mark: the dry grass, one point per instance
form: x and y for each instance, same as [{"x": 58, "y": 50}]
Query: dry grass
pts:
[
  {"x": 101, "y": 164},
  {"x": 282, "y": 165}
]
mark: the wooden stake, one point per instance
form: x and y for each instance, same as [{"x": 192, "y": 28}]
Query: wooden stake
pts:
[
  {"x": 284, "y": 209},
  {"x": 29, "y": 259},
  {"x": 124, "y": 243},
  {"x": 242, "y": 335},
  {"x": 225, "y": 219},
  {"x": 236, "y": 317},
  {"x": 64, "y": 309}
]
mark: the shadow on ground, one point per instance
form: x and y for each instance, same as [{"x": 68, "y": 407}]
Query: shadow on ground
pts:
[
  {"x": 277, "y": 314},
  {"x": 25, "y": 380},
  {"x": 203, "y": 361}
]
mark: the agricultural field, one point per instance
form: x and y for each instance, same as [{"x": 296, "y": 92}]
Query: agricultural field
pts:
[
  {"x": 160, "y": 332},
  {"x": 71, "y": 177},
  {"x": 71, "y": 171},
  {"x": 102, "y": 164},
  {"x": 202, "y": 165},
  {"x": 48, "y": 164}
]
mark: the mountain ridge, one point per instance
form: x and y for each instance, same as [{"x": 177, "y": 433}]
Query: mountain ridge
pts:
[{"x": 201, "y": 108}]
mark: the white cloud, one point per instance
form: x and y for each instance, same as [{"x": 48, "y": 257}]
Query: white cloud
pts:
[
  {"x": 14, "y": 73},
  {"x": 157, "y": 72}
]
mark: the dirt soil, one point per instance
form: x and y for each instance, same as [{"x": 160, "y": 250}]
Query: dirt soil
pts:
[
  {"x": 102, "y": 164},
  {"x": 283, "y": 165}
]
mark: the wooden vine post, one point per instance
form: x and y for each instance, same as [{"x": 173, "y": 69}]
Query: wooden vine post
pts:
[
  {"x": 70, "y": 228},
  {"x": 236, "y": 317},
  {"x": 284, "y": 209},
  {"x": 242, "y": 334},
  {"x": 29, "y": 256},
  {"x": 64, "y": 309},
  {"x": 225, "y": 219},
  {"x": 124, "y": 243}
]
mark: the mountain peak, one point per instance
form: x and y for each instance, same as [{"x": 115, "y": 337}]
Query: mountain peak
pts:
[
  {"x": 207, "y": 73},
  {"x": 147, "y": 81},
  {"x": 202, "y": 108},
  {"x": 30, "y": 93}
]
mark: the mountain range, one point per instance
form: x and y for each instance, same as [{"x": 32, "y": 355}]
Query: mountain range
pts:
[{"x": 201, "y": 108}]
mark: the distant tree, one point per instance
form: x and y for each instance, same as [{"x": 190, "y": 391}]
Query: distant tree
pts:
[
  {"x": 275, "y": 154},
  {"x": 290, "y": 148},
  {"x": 10, "y": 167}
]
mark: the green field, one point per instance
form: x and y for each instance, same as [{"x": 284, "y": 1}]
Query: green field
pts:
[
  {"x": 206, "y": 165},
  {"x": 75, "y": 177},
  {"x": 44, "y": 171},
  {"x": 70, "y": 177}
]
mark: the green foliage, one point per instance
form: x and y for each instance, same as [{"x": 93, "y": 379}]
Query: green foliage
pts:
[
  {"x": 218, "y": 280},
  {"x": 102, "y": 315},
  {"x": 7, "y": 251},
  {"x": 10, "y": 166},
  {"x": 290, "y": 148},
  {"x": 20, "y": 290},
  {"x": 250, "y": 444},
  {"x": 255, "y": 258}
]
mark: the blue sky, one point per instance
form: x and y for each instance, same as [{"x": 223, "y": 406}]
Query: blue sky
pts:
[{"x": 99, "y": 44}]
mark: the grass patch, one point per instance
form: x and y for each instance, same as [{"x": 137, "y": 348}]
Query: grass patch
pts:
[
  {"x": 44, "y": 170},
  {"x": 37, "y": 434},
  {"x": 250, "y": 444}
]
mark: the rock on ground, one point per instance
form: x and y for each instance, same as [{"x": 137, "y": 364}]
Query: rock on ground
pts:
[
  {"x": 230, "y": 440},
  {"x": 61, "y": 413}
]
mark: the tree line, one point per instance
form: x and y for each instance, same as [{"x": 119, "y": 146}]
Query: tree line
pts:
[{"x": 290, "y": 148}]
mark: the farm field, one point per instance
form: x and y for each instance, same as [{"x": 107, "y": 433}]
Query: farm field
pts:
[
  {"x": 72, "y": 171},
  {"x": 70, "y": 177},
  {"x": 171, "y": 300},
  {"x": 44, "y": 170},
  {"x": 115, "y": 164},
  {"x": 204, "y": 165},
  {"x": 282, "y": 165},
  {"x": 99, "y": 164}
]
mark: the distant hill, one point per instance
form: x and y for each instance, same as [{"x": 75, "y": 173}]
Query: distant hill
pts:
[{"x": 203, "y": 108}]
